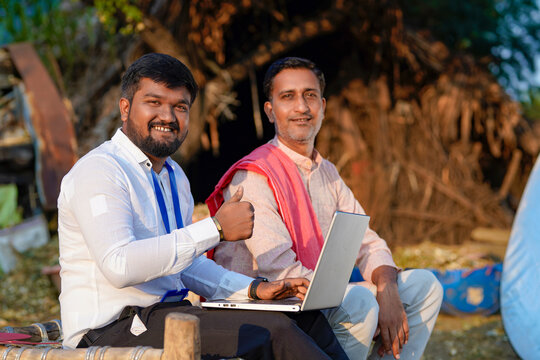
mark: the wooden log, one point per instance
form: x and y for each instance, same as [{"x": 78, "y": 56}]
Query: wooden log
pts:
[
  {"x": 493, "y": 142},
  {"x": 181, "y": 342},
  {"x": 93, "y": 353},
  {"x": 491, "y": 235},
  {"x": 466, "y": 122},
  {"x": 182, "y": 337},
  {"x": 284, "y": 41},
  {"x": 257, "y": 119},
  {"x": 511, "y": 173},
  {"x": 453, "y": 194},
  {"x": 427, "y": 216},
  {"x": 51, "y": 124},
  {"x": 159, "y": 39}
]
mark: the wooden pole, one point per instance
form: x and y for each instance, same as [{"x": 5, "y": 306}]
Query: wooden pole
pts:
[
  {"x": 182, "y": 337},
  {"x": 93, "y": 353},
  {"x": 511, "y": 173},
  {"x": 494, "y": 236},
  {"x": 181, "y": 342}
]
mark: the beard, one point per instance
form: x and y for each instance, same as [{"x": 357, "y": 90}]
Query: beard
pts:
[
  {"x": 156, "y": 148},
  {"x": 151, "y": 146}
]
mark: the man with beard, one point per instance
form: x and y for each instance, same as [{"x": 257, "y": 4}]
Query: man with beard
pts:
[{"x": 126, "y": 239}]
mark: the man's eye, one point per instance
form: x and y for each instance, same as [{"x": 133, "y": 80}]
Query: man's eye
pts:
[{"x": 182, "y": 108}]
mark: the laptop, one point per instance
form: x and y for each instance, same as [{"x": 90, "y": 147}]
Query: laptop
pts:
[{"x": 331, "y": 275}]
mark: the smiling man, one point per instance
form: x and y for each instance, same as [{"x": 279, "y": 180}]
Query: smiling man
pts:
[
  {"x": 160, "y": 136},
  {"x": 127, "y": 241},
  {"x": 295, "y": 192}
]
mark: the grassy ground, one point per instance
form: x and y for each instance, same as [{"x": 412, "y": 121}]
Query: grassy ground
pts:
[{"x": 26, "y": 297}]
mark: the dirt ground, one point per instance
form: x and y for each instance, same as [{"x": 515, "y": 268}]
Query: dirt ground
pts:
[
  {"x": 468, "y": 337},
  {"x": 27, "y": 296},
  {"x": 472, "y": 337}
]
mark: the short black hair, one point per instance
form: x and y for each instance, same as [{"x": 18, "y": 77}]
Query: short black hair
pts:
[
  {"x": 160, "y": 68},
  {"x": 290, "y": 63}
]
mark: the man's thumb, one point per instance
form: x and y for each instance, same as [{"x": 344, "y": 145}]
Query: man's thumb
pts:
[{"x": 237, "y": 195}]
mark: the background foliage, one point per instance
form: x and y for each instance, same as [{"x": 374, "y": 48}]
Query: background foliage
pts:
[{"x": 503, "y": 33}]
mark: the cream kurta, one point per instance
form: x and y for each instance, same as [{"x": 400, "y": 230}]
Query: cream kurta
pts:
[{"x": 269, "y": 251}]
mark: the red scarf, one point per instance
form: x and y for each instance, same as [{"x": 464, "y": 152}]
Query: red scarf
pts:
[{"x": 294, "y": 204}]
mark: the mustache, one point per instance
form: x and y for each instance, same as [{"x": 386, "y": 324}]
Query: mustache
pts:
[{"x": 173, "y": 125}]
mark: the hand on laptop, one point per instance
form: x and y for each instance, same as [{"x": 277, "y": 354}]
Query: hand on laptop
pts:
[
  {"x": 236, "y": 217},
  {"x": 281, "y": 289}
]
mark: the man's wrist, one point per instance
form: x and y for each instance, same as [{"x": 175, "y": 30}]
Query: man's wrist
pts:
[
  {"x": 219, "y": 228},
  {"x": 253, "y": 287},
  {"x": 384, "y": 275}
]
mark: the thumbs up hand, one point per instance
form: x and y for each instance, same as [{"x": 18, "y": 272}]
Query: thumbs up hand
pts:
[{"x": 236, "y": 217}]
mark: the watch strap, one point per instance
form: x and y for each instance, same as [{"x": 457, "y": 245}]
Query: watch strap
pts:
[
  {"x": 254, "y": 285},
  {"x": 219, "y": 228}
]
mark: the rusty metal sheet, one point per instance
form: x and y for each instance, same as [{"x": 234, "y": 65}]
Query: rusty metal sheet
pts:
[{"x": 53, "y": 130}]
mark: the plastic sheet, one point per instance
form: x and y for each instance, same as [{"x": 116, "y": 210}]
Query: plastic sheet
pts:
[{"x": 470, "y": 291}]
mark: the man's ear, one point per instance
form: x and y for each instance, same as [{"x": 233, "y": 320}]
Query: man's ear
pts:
[
  {"x": 323, "y": 105},
  {"x": 268, "y": 111},
  {"x": 123, "y": 104}
]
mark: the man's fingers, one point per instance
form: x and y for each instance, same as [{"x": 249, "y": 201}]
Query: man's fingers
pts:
[
  {"x": 396, "y": 346},
  {"x": 299, "y": 282},
  {"x": 380, "y": 350},
  {"x": 237, "y": 195},
  {"x": 389, "y": 343},
  {"x": 386, "y": 339},
  {"x": 236, "y": 217},
  {"x": 406, "y": 328},
  {"x": 290, "y": 287},
  {"x": 401, "y": 335}
]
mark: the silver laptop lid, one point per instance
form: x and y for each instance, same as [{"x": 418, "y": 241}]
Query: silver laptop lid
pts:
[{"x": 336, "y": 262}]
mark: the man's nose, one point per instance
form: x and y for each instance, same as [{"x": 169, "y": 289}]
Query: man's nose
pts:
[
  {"x": 166, "y": 113},
  {"x": 301, "y": 104}
]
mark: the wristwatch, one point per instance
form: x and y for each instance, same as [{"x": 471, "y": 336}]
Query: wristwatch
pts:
[
  {"x": 219, "y": 228},
  {"x": 254, "y": 285}
]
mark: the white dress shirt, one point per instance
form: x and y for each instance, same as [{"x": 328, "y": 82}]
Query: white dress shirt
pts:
[{"x": 114, "y": 249}]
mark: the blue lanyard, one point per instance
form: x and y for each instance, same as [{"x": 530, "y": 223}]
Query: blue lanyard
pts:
[{"x": 161, "y": 199}]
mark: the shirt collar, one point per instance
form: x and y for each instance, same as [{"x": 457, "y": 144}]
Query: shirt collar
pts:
[
  {"x": 300, "y": 160},
  {"x": 140, "y": 157}
]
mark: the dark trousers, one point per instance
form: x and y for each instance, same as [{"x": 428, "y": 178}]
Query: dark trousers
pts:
[{"x": 229, "y": 333}]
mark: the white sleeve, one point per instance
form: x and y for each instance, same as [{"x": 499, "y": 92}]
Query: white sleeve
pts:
[
  {"x": 98, "y": 195},
  {"x": 213, "y": 281}
]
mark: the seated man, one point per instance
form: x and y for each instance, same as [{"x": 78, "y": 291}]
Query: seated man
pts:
[
  {"x": 295, "y": 193},
  {"x": 126, "y": 239}
]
